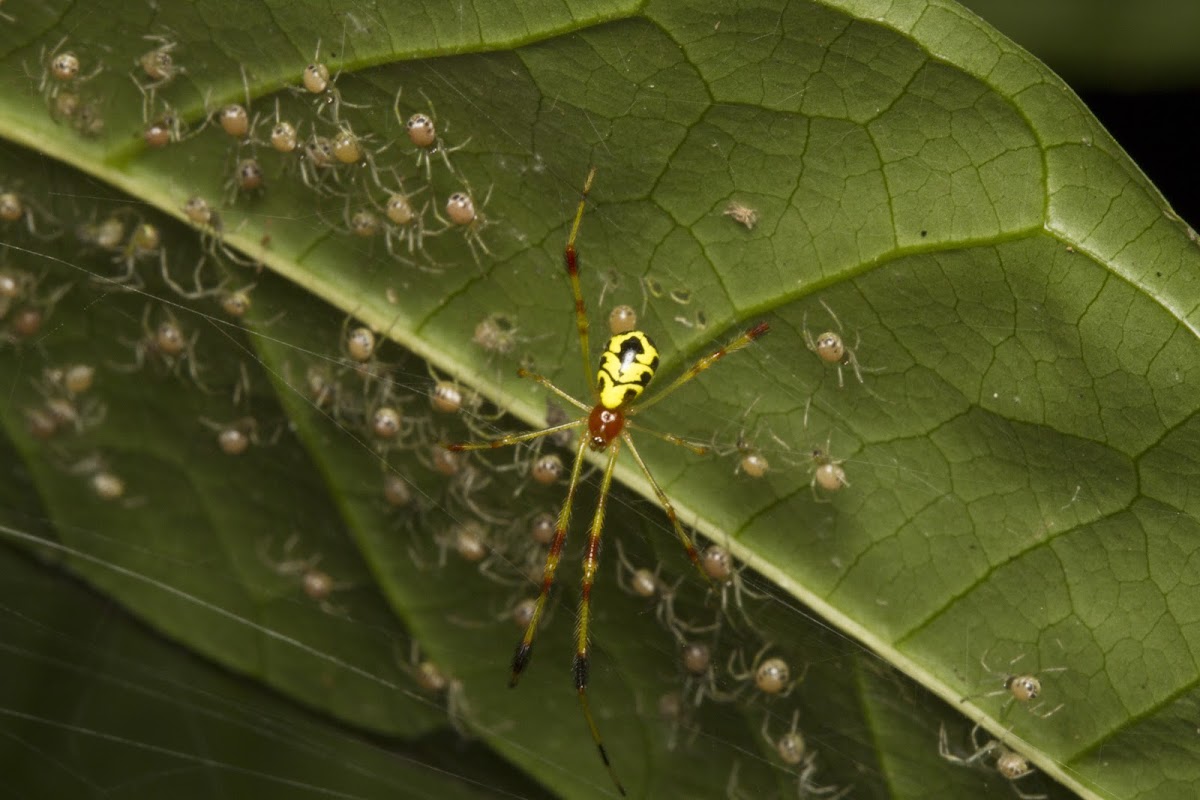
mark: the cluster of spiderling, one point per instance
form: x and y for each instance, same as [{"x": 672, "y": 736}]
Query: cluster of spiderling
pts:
[
  {"x": 62, "y": 77},
  {"x": 115, "y": 263},
  {"x": 402, "y": 191},
  {"x": 156, "y": 344},
  {"x": 724, "y": 656},
  {"x": 59, "y": 403}
]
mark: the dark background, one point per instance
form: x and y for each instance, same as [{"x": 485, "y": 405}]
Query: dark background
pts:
[
  {"x": 1137, "y": 67},
  {"x": 1159, "y": 131}
]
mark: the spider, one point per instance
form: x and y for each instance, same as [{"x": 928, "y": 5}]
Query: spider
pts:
[
  {"x": 725, "y": 577},
  {"x": 159, "y": 68},
  {"x": 794, "y": 751},
  {"x": 828, "y": 474},
  {"x": 627, "y": 365},
  {"x": 1010, "y": 764},
  {"x": 771, "y": 676},
  {"x": 434, "y": 682},
  {"x": 167, "y": 345},
  {"x": 1022, "y": 688},
  {"x": 641, "y": 582},
  {"x": 831, "y": 348},
  {"x": 317, "y": 81},
  {"x": 316, "y": 583}
]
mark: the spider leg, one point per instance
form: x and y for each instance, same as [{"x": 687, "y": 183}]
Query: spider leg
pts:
[
  {"x": 688, "y": 545},
  {"x": 591, "y": 562},
  {"x": 516, "y": 438},
  {"x": 545, "y": 382},
  {"x": 704, "y": 363},
  {"x": 525, "y": 647},
  {"x": 581, "y": 320}
]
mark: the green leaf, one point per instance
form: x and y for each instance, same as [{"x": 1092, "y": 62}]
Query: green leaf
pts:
[
  {"x": 1014, "y": 422},
  {"x": 92, "y": 700}
]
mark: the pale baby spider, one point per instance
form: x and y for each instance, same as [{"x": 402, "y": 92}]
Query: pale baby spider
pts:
[
  {"x": 466, "y": 216},
  {"x": 237, "y": 303},
  {"x": 496, "y": 333},
  {"x": 637, "y": 581},
  {"x": 641, "y": 582},
  {"x": 831, "y": 347},
  {"x": 39, "y": 423},
  {"x": 622, "y": 319},
  {"x": 107, "y": 234},
  {"x": 321, "y": 387},
  {"x": 168, "y": 128},
  {"x": 547, "y": 469},
  {"x": 386, "y": 425},
  {"x": 1010, "y": 764},
  {"x": 541, "y": 528},
  {"x": 318, "y": 166},
  {"x": 423, "y": 133},
  {"x": 106, "y": 484},
  {"x": 717, "y": 563},
  {"x": 16, "y": 286},
  {"x": 432, "y": 680},
  {"x": 71, "y": 380},
  {"x": 522, "y": 613},
  {"x": 1023, "y": 688},
  {"x": 828, "y": 475},
  {"x": 18, "y": 207},
  {"x": 238, "y": 120},
  {"x": 771, "y": 676},
  {"x": 285, "y": 137},
  {"x": 405, "y": 223},
  {"x": 700, "y": 678},
  {"x": 159, "y": 68},
  {"x": 752, "y": 461},
  {"x": 449, "y": 397},
  {"x": 791, "y": 746},
  {"x": 143, "y": 244},
  {"x": 469, "y": 540},
  {"x": 24, "y": 307},
  {"x": 362, "y": 223},
  {"x": 158, "y": 64},
  {"x": 360, "y": 342},
  {"x": 349, "y": 149},
  {"x": 247, "y": 178},
  {"x": 315, "y": 583},
  {"x": 675, "y": 714},
  {"x": 474, "y": 543},
  {"x": 165, "y": 344},
  {"x": 316, "y": 81},
  {"x": 207, "y": 219},
  {"x": 397, "y": 492},
  {"x": 793, "y": 751},
  {"x": 63, "y": 407},
  {"x": 62, "y": 69},
  {"x": 234, "y": 438},
  {"x": 445, "y": 462},
  {"x": 79, "y": 414}
]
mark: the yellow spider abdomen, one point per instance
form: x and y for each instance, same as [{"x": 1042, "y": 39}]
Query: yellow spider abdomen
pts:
[{"x": 626, "y": 367}]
